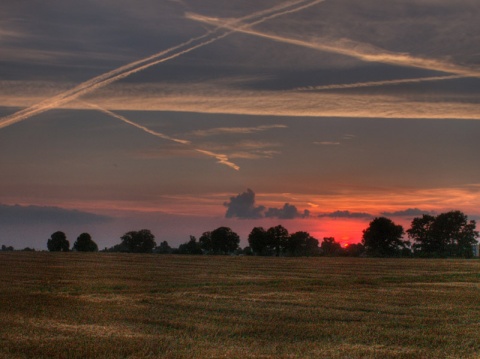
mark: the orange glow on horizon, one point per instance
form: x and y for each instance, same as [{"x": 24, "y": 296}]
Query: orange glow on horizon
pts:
[{"x": 345, "y": 231}]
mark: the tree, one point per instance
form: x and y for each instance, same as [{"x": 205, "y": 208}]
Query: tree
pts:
[
  {"x": 421, "y": 232},
  {"x": 205, "y": 242},
  {"x": 354, "y": 250},
  {"x": 258, "y": 241},
  {"x": 383, "y": 238},
  {"x": 449, "y": 234},
  {"x": 224, "y": 240},
  {"x": 58, "y": 242},
  {"x": 247, "y": 251},
  {"x": 277, "y": 238},
  {"x": 330, "y": 247},
  {"x": 191, "y": 247},
  {"x": 295, "y": 244},
  {"x": 142, "y": 241},
  {"x": 301, "y": 244},
  {"x": 311, "y": 246},
  {"x": 117, "y": 248},
  {"x": 84, "y": 243},
  {"x": 163, "y": 248}
]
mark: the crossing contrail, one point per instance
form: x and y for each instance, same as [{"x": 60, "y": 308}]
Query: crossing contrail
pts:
[
  {"x": 221, "y": 158},
  {"x": 364, "y": 52},
  {"x": 166, "y": 55},
  {"x": 377, "y": 83}
]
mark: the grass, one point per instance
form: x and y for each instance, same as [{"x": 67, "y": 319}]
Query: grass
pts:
[{"x": 78, "y": 305}]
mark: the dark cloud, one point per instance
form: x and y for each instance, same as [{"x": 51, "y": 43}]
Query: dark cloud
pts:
[
  {"x": 346, "y": 214},
  {"x": 25, "y": 215},
  {"x": 410, "y": 212},
  {"x": 243, "y": 206},
  {"x": 287, "y": 212}
]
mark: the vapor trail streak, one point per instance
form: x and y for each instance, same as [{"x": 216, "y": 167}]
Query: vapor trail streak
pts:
[
  {"x": 349, "y": 48},
  {"x": 221, "y": 158},
  {"x": 377, "y": 83},
  {"x": 143, "y": 128},
  {"x": 86, "y": 87},
  {"x": 136, "y": 66}
]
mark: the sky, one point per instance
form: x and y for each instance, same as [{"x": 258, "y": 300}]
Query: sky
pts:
[{"x": 182, "y": 116}]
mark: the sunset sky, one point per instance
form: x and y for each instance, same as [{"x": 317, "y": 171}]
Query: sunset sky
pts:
[{"x": 181, "y": 116}]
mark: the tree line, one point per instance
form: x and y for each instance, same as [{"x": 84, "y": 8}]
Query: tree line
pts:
[{"x": 448, "y": 234}]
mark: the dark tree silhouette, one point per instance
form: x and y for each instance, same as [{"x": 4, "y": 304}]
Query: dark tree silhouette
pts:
[
  {"x": 7, "y": 249},
  {"x": 449, "y": 234},
  {"x": 311, "y": 246},
  {"x": 142, "y": 241},
  {"x": 191, "y": 247},
  {"x": 84, "y": 243},
  {"x": 421, "y": 232},
  {"x": 58, "y": 242},
  {"x": 163, "y": 248},
  {"x": 247, "y": 251},
  {"x": 301, "y": 244},
  {"x": 205, "y": 242},
  {"x": 258, "y": 241},
  {"x": 354, "y": 250},
  {"x": 295, "y": 245},
  {"x": 224, "y": 240},
  {"x": 219, "y": 241},
  {"x": 277, "y": 238},
  {"x": 383, "y": 238},
  {"x": 330, "y": 247},
  {"x": 119, "y": 248}
]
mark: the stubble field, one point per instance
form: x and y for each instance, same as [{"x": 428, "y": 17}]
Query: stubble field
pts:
[{"x": 76, "y": 305}]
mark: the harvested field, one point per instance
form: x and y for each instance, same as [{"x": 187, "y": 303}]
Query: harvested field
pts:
[{"x": 78, "y": 305}]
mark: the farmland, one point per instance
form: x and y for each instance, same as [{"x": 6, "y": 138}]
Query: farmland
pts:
[{"x": 77, "y": 305}]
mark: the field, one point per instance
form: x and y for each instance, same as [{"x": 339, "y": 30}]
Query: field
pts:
[{"x": 76, "y": 305}]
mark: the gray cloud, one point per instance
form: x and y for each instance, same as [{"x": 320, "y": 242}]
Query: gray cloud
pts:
[
  {"x": 410, "y": 212},
  {"x": 24, "y": 215},
  {"x": 288, "y": 211},
  {"x": 243, "y": 206},
  {"x": 346, "y": 214}
]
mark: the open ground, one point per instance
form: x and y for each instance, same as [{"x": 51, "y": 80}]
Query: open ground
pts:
[{"x": 78, "y": 305}]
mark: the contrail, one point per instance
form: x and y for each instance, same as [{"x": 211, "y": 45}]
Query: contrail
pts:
[
  {"x": 87, "y": 86},
  {"x": 166, "y": 55},
  {"x": 242, "y": 26},
  {"x": 377, "y": 83},
  {"x": 143, "y": 128},
  {"x": 349, "y": 48},
  {"x": 221, "y": 158}
]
